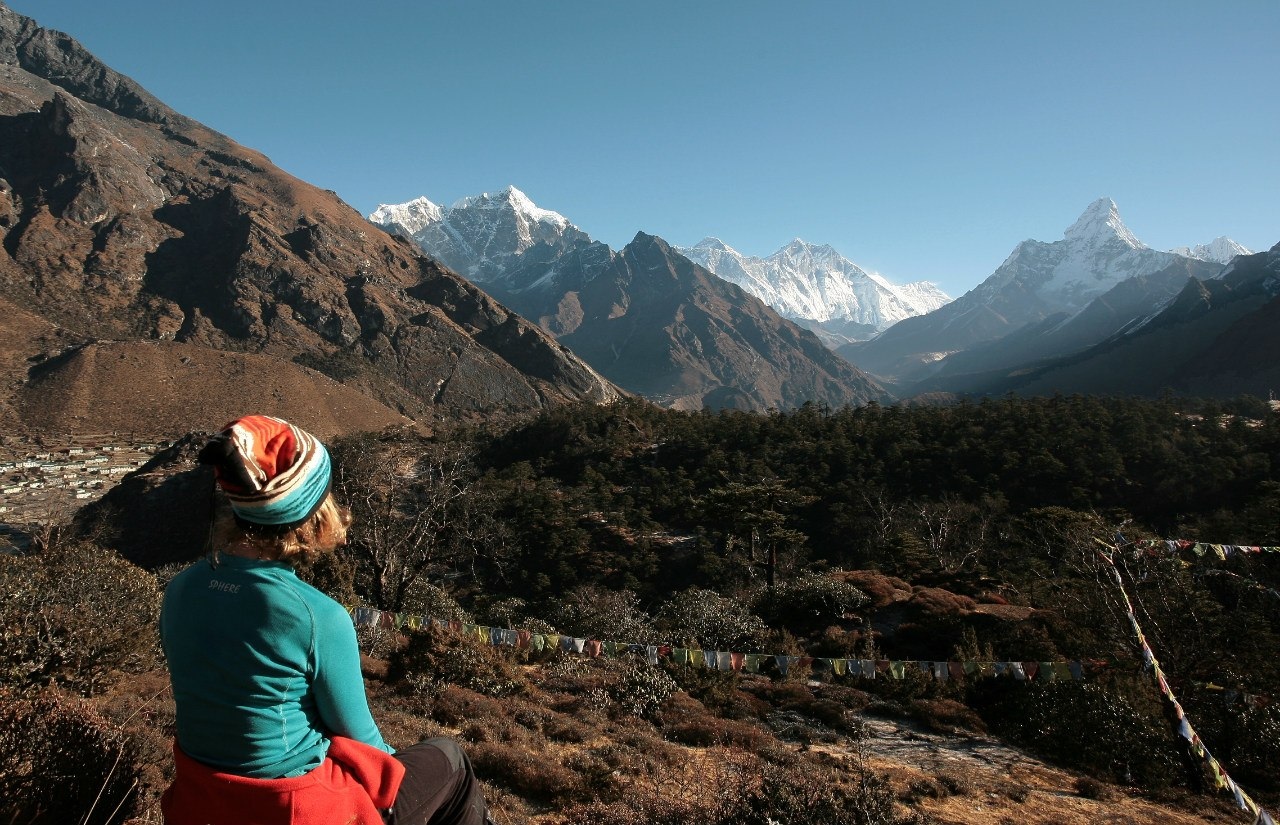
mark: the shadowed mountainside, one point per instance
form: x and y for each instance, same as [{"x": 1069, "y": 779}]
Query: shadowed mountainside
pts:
[
  {"x": 658, "y": 324},
  {"x": 1219, "y": 337}
]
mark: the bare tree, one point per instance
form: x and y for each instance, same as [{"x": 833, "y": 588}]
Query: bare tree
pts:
[
  {"x": 416, "y": 507},
  {"x": 955, "y": 530},
  {"x": 886, "y": 515}
]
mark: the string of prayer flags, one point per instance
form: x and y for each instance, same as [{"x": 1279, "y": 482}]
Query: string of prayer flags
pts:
[
  {"x": 723, "y": 660},
  {"x": 1220, "y": 777},
  {"x": 1202, "y": 548}
]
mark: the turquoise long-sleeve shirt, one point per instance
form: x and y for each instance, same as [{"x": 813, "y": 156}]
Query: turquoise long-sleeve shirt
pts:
[{"x": 264, "y": 667}]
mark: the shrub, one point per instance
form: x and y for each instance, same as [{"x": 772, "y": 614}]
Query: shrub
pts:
[
  {"x": 568, "y": 672},
  {"x": 882, "y": 590},
  {"x": 1258, "y": 751},
  {"x": 806, "y": 794},
  {"x": 445, "y": 657},
  {"x": 849, "y": 697},
  {"x": 707, "y": 731},
  {"x": 456, "y": 706},
  {"x": 596, "y": 613},
  {"x": 71, "y": 615},
  {"x": 426, "y": 599},
  {"x": 923, "y": 788},
  {"x": 62, "y": 762},
  {"x": 597, "y": 768},
  {"x": 566, "y": 728},
  {"x": 1090, "y": 788},
  {"x": 495, "y": 729},
  {"x": 331, "y": 573},
  {"x": 720, "y": 691},
  {"x": 535, "y": 775},
  {"x": 955, "y": 784},
  {"x": 749, "y": 792},
  {"x": 635, "y": 811},
  {"x": 377, "y": 641},
  {"x": 534, "y": 717},
  {"x": 935, "y": 601},
  {"x": 1018, "y": 793},
  {"x": 701, "y": 732},
  {"x": 640, "y": 689},
  {"x": 504, "y": 612},
  {"x": 807, "y": 601},
  {"x": 832, "y": 714},
  {"x": 838, "y": 643},
  {"x": 1247, "y": 737},
  {"x": 747, "y": 736},
  {"x": 704, "y": 618},
  {"x": 679, "y": 707},
  {"x": 947, "y": 715}
]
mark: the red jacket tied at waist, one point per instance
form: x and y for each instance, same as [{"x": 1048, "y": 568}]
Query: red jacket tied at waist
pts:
[{"x": 353, "y": 783}]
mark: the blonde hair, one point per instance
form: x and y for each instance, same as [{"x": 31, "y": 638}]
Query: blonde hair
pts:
[{"x": 323, "y": 532}]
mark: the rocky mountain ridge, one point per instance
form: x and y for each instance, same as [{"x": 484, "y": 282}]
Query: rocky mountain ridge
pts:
[
  {"x": 645, "y": 317},
  {"x": 485, "y": 237},
  {"x": 481, "y": 237},
  {"x": 1125, "y": 306}
]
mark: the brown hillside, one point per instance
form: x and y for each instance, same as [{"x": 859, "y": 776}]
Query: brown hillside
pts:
[
  {"x": 20, "y": 332},
  {"x": 162, "y": 388}
]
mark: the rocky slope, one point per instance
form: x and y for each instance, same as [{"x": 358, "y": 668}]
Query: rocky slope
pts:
[
  {"x": 120, "y": 219},
  {"x": 101, "y": 387}
]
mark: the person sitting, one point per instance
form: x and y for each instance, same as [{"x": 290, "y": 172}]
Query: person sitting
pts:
[{"x": 273, "y": 725}]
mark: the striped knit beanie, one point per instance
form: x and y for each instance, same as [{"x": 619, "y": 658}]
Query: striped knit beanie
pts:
[{"x": 274, "y": 474}]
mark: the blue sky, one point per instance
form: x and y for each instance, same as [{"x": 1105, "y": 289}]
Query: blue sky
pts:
[{"x": 920, "y": 139}]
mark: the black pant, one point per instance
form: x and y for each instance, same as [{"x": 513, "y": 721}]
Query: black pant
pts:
[{"x": 439, "y": 787}]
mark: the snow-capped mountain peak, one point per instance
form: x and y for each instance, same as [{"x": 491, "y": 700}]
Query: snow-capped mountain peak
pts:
[
  {"x": 482, "y": 235},
  {"x": 514, "y": 200},
  {"x": 814, "y": 283},
  {"x": 1101, "y": 222},
  {"x": 712, "y": 242},
  {"x": 1096, "y": 252},
  {"x": 411, "y": 217},
  {"x": 1220, "y": 250}
]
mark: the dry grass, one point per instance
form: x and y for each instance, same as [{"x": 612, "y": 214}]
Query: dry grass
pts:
[{"x": 552, "y": 758}]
